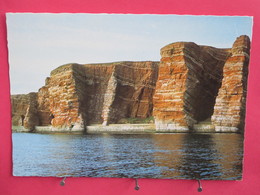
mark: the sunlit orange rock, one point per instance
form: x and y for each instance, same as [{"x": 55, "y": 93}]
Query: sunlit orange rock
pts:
[
  {"x": 229, "y": 110},
  {"x": 188, "y": 82},
  {"x": 75, "y": 95},
  {"x": 193, "y": 87}
]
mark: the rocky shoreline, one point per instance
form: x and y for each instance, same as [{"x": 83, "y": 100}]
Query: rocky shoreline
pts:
[{"x": 114, "y": 129}]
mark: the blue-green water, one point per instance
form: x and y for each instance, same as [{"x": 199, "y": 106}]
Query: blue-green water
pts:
[{"x": 176, "y": 156}]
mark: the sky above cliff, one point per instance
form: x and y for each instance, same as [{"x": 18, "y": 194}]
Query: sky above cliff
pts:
[{"x": 39, "y": 43}]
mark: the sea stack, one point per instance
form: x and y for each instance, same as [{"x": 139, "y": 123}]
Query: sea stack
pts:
[{"x": 230, "y": 107}]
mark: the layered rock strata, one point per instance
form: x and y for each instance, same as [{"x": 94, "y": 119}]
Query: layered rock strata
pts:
[
  {"x": 229, "y": 110},
  {"x": 196, "y": 81},
  {"x": 25, "y": 111},
  {"x": 44, "y": 113},
  {"x": 130, "y": 91},
  {"x": 188, "y": 82},
  {"x": 193, "y": 88},
  {"x": 61, "y": 100},
  {"x": 75, "y": 96}
]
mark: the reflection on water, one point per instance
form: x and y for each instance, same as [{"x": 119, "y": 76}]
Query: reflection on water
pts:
[
  {"x": 200, "y": 165},
  {"x": 178, "y": 156},
  {"x": 231, "y": 155}
]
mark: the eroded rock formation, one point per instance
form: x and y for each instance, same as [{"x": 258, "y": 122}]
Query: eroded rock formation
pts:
[
  {"x": 25, "y": 111},
  {"x": 130, "y": 91},
  {"x": 229, "y": 110},
  {"x": 193, "y": 87},
  {"x": 78, "y": 95},
  {"x": 189, "y": 80}
]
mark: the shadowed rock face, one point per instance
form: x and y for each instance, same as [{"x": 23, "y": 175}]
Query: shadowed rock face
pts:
[
  {"x": 73, "y": 95},
  {"x": 131, "y": 88},
  {"x": 229, "y": 110},
  {"x": 191, "y": 85},
  {"x": 109, "y": 92},
  {"x": 25, "y": 111}
]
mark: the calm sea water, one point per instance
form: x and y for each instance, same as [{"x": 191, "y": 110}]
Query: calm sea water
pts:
[{"x": 177, "y": 156}]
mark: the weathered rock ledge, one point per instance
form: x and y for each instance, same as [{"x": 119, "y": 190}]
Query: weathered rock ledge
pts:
[{"x": 192, "y": 89}]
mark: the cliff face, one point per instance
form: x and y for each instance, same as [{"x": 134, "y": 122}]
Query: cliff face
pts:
[
  {"x": 92, "y": 90},
  {"x": 130, "y": 91},
  {"x": 61, "y": 100},
  {"x": 193, "y": 87},
  {"x": 196, "y": 81},
  {"x": 78, "y": 95},
  {"x": 229, "y": 110},
  {"x": 44, "y": 112},
  {"x": 25, "y": 111},
  {"x": 188, "y": 81}
]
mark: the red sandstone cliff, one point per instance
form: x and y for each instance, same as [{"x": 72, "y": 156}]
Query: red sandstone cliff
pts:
[
  {"x": 192, "y": 76},
  {"x": 25, "y": 111},
  {"x": 191, "y": 85},
  {"x": 130, "y": 91},
  {"x": 229, "y": 110},
  {"x": 78, "y": 95},
  {"x": 188, "y": 81}
]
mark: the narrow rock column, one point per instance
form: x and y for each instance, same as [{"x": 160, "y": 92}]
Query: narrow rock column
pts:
[
  {"x": 229, "y": 110},
  {"x": 31, "y": 118},
  {"x": 109, "y": 98}
]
